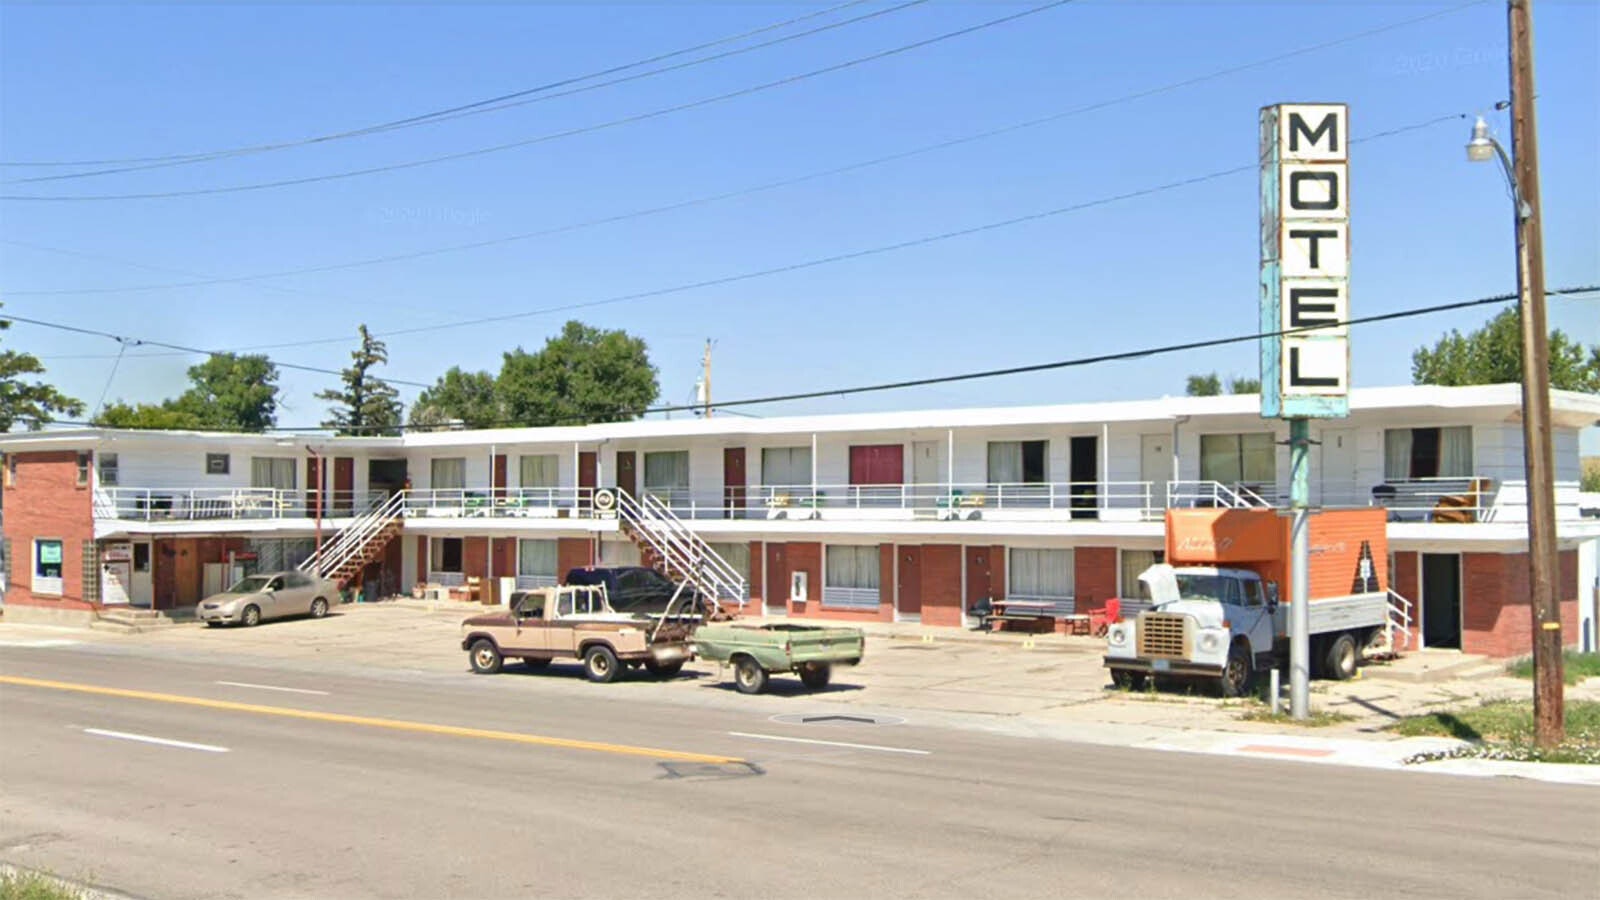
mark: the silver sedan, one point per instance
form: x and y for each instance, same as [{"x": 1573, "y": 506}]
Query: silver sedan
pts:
[{"x": 269, "y": 596}]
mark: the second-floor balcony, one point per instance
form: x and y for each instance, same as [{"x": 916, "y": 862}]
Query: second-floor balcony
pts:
[{"x": 212, "y": 504}]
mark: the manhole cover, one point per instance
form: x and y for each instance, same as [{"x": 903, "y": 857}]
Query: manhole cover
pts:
[{"x": 836, "y": 719}]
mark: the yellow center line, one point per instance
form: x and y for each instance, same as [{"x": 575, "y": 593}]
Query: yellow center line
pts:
[{"x": 372, "y": 722}]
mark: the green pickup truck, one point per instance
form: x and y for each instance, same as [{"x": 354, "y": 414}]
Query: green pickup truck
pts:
[{"x": 756, "y": 651}]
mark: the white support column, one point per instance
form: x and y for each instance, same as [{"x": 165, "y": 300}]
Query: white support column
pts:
[
  {"x": 577, "y": 464},
  {"x": 950, "y": 463},
  {"x": 813, "y": 470},
  {"x": 1105, "y": 461}
]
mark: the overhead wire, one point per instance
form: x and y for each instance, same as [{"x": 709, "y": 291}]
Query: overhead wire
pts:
[{"x": 571, "y": 132}]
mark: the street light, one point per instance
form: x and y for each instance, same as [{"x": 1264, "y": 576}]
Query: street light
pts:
[{"x": 1482, "y": 148}]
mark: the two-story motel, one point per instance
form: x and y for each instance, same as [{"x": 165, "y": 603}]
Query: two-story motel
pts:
[{"x": 908, "y": 516}]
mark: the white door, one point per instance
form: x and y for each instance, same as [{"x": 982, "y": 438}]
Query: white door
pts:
[
  {"x": 925, "y": 470},
  {"x": 1155, "y": 466},
  {"x": 143, "y": 588},
  {"x": 212, "y": 578},
  {"x": 115, "y": 579},
  {"x": 1339, "y": 485}
]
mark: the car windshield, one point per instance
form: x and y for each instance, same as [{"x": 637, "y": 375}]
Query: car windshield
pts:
[
  {"x": 1203, "y": 587},
  {"x": 251, "y": 585}
]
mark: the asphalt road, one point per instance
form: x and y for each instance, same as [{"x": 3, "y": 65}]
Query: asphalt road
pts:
[{"x": 544, "y": 785}]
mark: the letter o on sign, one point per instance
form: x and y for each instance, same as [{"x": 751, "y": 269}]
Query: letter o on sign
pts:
[{"x": 605, "y": 499}]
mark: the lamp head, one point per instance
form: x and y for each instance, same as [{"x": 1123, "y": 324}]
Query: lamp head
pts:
[{"x": 1481, "y": 147}]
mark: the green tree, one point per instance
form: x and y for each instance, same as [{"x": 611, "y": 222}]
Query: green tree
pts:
[
  {"x": 367, "y": 405},
  {"x": 583, "y": 375},
  {"x": 1493, "y": 355},
  {"x": 226, "y": 393},
  {"x": 1238, "y": 384},
  {"x": 32, "y": 403},
  {"x": 1210, "y": 385},
  {"x": 457, "y": 397}
]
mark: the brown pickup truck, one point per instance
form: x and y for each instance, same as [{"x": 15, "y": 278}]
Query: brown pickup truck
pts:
[{"x": 573, "y": 622}]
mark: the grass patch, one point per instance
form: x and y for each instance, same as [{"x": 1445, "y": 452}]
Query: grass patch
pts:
[
  {"x": 1575, "y": 666},
  {"x": 19, "y": 885},
  {"x": 1319, "y": 718},
  {"x": 1504, "y": 730}
]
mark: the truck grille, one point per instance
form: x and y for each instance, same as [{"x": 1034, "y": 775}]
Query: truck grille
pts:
[{"x": 1163, "y": 636}]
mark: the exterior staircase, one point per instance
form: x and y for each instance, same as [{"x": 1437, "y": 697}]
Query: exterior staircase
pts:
[
  {"x": 358, "y": 544},
  {"x": 137, "y": 620},
  {"x": 668, "y": 545},
  {"x": 1396, "y": 628}
]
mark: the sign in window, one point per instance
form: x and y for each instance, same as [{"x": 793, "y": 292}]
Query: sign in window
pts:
[{"x": 47, "y": 566}]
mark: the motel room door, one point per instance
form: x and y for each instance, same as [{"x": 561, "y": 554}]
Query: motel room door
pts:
[
  {"x": 1155, "y": 466},
  {"x": 143, "y": 590},
  {"x": 908, "y": 593}
]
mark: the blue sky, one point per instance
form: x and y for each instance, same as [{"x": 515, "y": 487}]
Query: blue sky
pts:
[{"x": 92, "y": 81}]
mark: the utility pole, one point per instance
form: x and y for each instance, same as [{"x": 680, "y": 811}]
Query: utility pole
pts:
[
  {"x": 1543, "y": 564},
  {"x": 705, "y": 379}
]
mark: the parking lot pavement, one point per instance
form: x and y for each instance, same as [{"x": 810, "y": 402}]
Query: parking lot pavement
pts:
[{"x": 1049, "y": 685}]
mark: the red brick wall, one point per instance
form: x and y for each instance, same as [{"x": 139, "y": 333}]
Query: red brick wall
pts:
[
  {"x": 45, "y": 501},
  {"x": 1095, "y": 576},
  {"x": 422, "y": 559},
  {"x": 941, "y": 585},
  {"x": 997, "y": 570},
  {"x": 886, "y": 578},
  {"x": 1496, "y": 618},
  {"x": 573, "y": 553},
  {"x": 1406, "y": 583}
]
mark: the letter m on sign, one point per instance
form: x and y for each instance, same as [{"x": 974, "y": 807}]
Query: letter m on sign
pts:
[{"x": 1313, "y": 132}]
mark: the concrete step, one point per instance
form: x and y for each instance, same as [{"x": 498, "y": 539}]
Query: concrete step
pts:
[{"x": 1427, "y": 666}]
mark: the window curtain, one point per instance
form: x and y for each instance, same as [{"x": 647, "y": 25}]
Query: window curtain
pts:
[
  {"x": 1396, "y": 454},
  {"x": 1040, "y": 573},
  {"x": 1455, "y": 452},
  {"x": 448, "y": 474},
  {"x": 737, "y": 555},
  {"x": 1258, "y": 461},
  {"x": 666, "y": 471},
  {"x": 536, "y": 557},
  {"x": 272, "y": 472},
  {"x": 1133, "y": 564},
  {"x": 1005, "y": 462},
  {"x": 851, "y": 567},
  {"x": 785, "y": 466},
  {"x": 541, "y": 471},
  {"x": 1219, "y": 458}
]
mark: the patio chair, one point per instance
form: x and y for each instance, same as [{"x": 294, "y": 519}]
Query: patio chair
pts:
[{"x": 1101, "y": 619}]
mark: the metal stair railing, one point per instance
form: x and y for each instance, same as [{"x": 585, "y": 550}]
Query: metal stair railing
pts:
[
  {"x": 1398, "y": 621},
  {"x": 679, "y": 548},
  {"x": 354, "y": 538}
]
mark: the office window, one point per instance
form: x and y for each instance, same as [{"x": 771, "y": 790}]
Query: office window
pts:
[
  {"x": 216, "y": 463},
  {"x": 444, "y": 555},
  {"x": 1427, "y": 453},
  {"x": 540, "y": 471},
  {"x": 47, "y": 566},
  {"x": 1040, "y": 574},
  {"x": 108, "y": 469},
  {"x": 85, "y": 458},
  {"x": 272, "y": 472},
  {"x": 1239, "y": 458},
  {"x": 1017, "y": 462},
  {"x": 785, "y": 466},
  {"x": 448, "y": 474}
]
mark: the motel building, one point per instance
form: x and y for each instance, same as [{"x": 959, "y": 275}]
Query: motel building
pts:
[{"x": 907, "y": 516}]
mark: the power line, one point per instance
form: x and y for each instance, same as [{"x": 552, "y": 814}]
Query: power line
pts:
[
  {"x": 587, "y": 129},
  {"x": 1032, "y": 368},
  {"x": 480, "y": 107},
  {"x": 760, "y": 188},
  {"x": 421, "y": 118}
]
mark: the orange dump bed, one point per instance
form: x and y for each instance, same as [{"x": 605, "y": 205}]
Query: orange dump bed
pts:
[{"x": 1349, "y": 548}]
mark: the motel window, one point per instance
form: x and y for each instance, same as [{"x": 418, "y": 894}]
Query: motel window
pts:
[
  {"x": 540, "y": 471},
  {"x": 666, "y": 472},
  {"x": 47, "y": 566},
  {"x": 108, "y": 469},
  {"x": 737, "y": 556},
  {"x": 850, "y": 576},
  {"x": 272, "y": 472},
  {"x": 448, "y": 474},
  {"x": 444, "y": 555},
  {"x": 1239, "y": 459},
  {"x": 1039, "y": 574},
  {"x": 536, "y": 563},
  {"x": 785, "y": 466},
  {"x": 1131, "y": 565},
  {"x": 1017, "y": 462},
  {"x": 85, "y": 459},
  {"x": 217, "y": 463},
  {"x": 1427, "y": 453}
]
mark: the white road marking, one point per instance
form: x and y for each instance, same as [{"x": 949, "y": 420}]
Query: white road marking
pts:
[
  {"x": 147, "y": 739},
  {"x": 268, "y": 687},
  {"x": 42, "y": 642},
  {"x": 796, "y": 740}
]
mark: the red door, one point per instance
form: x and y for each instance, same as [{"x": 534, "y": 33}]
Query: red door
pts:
[
  {"x": 733, "y": 481},
  {"x": 344, "y": 485},
  {"x": 877, "y": 464},
  {"x": 980, "y": 575},
  {"x": 588, "y": 464},
  {"x": 504, "y": 551},
  {"x": 910, "y": 598},
  {"x": 627, "y": 477},
  {"x": 314, "y": 486},
  {"x": 777, "y": 594},
  {"x": 498, "y": 475}
]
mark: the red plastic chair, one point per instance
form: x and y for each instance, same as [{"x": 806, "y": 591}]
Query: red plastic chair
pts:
[{"x": 1100, "y": 619}]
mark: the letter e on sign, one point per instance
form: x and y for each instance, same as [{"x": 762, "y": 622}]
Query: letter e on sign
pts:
[{"x": 1313, "y": 132}]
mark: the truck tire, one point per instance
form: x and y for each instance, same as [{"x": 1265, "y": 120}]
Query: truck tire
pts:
[
  {"x": 815, "y": 675},
  {"x": 1236, "y": 674},
  {"x": 663, "y": 670},
  {"x": 1342, "y": 658},
  {"x": 600, "y": 664},
  {"x": 1129, "y": 680},
  {"x": 485, "y": 657},
  {"x": 748, "y": 676}
]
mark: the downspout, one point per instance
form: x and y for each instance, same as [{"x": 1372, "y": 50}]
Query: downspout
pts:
[{"x": 1176, "y": 422}]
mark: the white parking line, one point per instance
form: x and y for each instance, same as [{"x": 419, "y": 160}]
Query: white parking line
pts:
[
  {"x": 796, "y": 740},
  {"x": 40, "y": 643},
  {"x": 147, "y": 739},
  {"x": 269, "y": 687}
]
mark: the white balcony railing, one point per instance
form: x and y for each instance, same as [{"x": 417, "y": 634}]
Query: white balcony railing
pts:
[{"x": 211, "y": 504}]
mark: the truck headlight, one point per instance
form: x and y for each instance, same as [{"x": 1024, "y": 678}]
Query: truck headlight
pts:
[
  {"x": 1210, "y": 641},
  {"x": 1117, "y": 635}
]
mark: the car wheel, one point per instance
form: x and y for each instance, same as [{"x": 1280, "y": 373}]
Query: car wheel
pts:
[
  {"x": 600, "y": 664},
  {"x": 1235, "y": 680},
  {"x": 251, "y": 616},
  {"x": 748, "y": 676},
  {"x": 664, "y": 670},
  {"x": 1343, "y": 655},
  {"x": 319, "y": 608},
  {"x": 485, "y": 656},
  {"x": 815, "y": 675},
  {"x": 1127, "y": 679}
]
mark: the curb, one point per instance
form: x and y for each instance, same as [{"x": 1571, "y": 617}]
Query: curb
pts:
[{"x": 83, "y": 890}]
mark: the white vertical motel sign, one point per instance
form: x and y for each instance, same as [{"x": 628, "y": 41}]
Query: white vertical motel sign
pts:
[{"x": 1305, "y": 260}]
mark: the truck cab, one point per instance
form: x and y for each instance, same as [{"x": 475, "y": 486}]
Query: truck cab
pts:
[
  {"x": 1200, "y": 618},
  {"x": 574, "y": 622}
]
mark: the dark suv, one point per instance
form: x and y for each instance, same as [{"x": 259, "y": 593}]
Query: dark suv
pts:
[{"x": 639, "y": 589}]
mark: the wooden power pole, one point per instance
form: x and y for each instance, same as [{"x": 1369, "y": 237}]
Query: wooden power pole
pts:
[{"x": 1543, "y": 562}]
